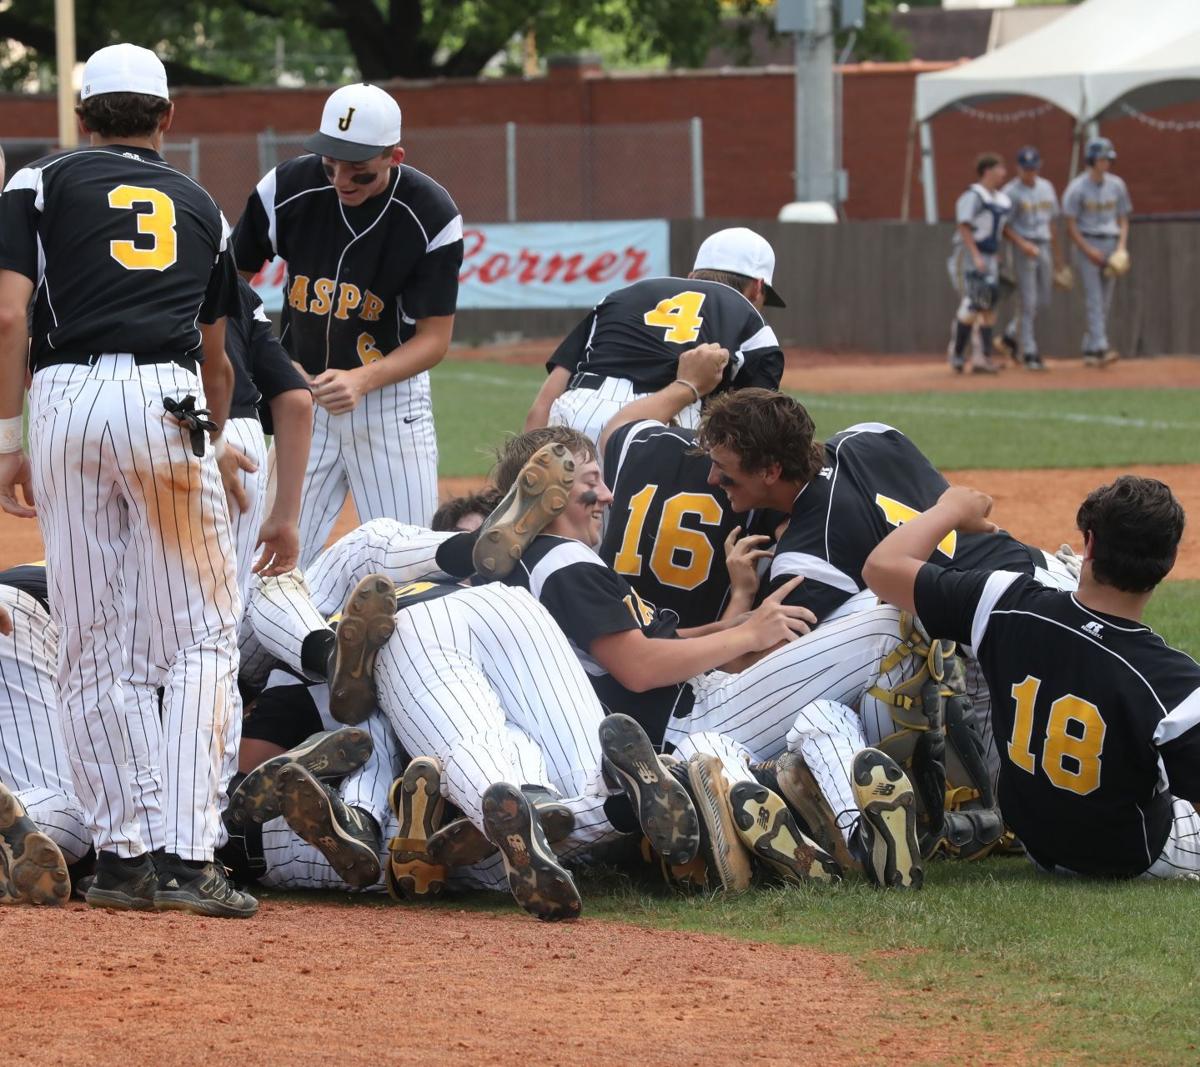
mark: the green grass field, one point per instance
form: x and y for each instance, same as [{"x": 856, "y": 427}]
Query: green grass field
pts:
[{"x": 1083, "y": 970}]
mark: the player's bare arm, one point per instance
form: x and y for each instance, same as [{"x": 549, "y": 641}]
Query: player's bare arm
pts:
[
  {"x": 698, "y": 374},
  {"x": 891, "y": 569},
  {"x": 339, "y": 391},
  {"x": 6, "y": 623},
  {"x": 16, "y": 290},
  {"x": 279, "y": 537},
  {"x": 641, "y": 663},
  {"x": 552, "y": 388},
  {"x": 1123, "y": 236}
]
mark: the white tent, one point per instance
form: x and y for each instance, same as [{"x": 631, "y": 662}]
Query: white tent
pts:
[{"x": 1084, "y": 63}]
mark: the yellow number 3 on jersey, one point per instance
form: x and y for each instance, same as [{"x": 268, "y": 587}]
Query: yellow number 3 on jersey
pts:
[
  {"x": 679, "y": 315},
  {"x": 158, "y": 222}
]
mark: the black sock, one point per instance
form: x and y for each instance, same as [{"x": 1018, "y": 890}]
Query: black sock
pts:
[
  {"x": 962, "y": 335},
  {"x": 621, "y": 815},
  {"x": 985, "y": 341},
  {"x": 315, "y": 652},
  {"x": 454, "y": 555}
]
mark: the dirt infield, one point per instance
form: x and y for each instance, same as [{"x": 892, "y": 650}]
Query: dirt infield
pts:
[{"x": 320, "y": 983}]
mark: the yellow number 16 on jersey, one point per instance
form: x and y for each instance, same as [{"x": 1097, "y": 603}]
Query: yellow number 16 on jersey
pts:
[{"x": 158, "y": 222}]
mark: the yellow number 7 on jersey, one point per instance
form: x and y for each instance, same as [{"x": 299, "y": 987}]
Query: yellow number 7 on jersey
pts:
[
  {"x": 679, "y": 315},
  {"x": 158, "y": 222}
]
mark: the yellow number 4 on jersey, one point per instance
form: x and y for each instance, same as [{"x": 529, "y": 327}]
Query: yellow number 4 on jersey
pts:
[{"x": 679, "y": 315}]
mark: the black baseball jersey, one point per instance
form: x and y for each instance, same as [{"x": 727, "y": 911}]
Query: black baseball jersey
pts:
[
  {"x": 639, "y": 333},
  {"x": 29, "y": 578},
  {"x": 589, "y": 600},
  {"x": 874, "y": 479},
  {"x": 261, "y": 368},
  {"x": 359, "y": 278},
  {"x": 667, "y": 527},
  {"x": 127, "y": 253},
  {"x": 1096, "y": 718}
]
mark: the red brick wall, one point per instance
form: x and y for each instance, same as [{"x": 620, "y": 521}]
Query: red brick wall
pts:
[{"x": 748, "y": 122}]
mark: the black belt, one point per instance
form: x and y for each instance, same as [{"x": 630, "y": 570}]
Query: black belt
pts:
[
  {"x": 88, "y": 359},
  {"x": 587, "y": 380},
  {"x": 1100, "y": 236},
  {"x": 243, "y": 411}
]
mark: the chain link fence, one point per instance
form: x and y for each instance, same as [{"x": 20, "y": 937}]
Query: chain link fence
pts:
[{"x": 507, "y": 173}]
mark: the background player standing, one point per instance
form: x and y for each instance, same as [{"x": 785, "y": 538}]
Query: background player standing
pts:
[
  {"x": 630, "y": 344},
  {"x": 1097, "y": 207},
  {"x": 974, "y": 265},
  {"x": 103, "y": 234},
  {"x": 373, "y": 251},
  {"x": 1034, "y": 209}
]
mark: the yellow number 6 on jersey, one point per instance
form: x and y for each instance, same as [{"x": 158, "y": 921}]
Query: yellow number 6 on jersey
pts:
[
  {"x": 158, "y": 222},
  {"x": 679, "y": 315}
]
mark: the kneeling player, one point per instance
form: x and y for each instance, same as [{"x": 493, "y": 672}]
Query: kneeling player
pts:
[{"x": 1101, "y": 767}]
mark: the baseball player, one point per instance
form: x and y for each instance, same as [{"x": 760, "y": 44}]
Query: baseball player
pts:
[
  {"x": 35, "y": 777},
  {"x": 1101, "y": 769},
  {"x": 1034, "y": 210},
  {"x": 373, "y": 250},
  {"x": 631, "y": 342},
  {"x": 667, "y": 530},
  {"x": 974, "y": 266},
  {"x": 119, "y": 464},
  {"x": 1097, "y": 207}
]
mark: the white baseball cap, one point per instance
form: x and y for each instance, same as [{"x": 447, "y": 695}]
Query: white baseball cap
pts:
[
  {"x": 740, "y": 251},
  {"x": 359, "y": 121},
  {"x": 124, "y": 68}
]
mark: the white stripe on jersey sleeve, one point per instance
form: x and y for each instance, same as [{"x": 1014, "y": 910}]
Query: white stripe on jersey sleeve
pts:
[
  {"x": 765, "y": 338},
  {"x": 1185, "y": 717},
  {"x": 995, "y": 587},
  {"x": 226, "y": 232},
  {"x": 28, "y": 178},
  {"x": 820, "y": 570},
  {"x": 451, "y": 232},
  {"x": 266, "y": 193},
  {"x": 870, "y": 427},
  {"x": 634, "y": 430},
  {"x": 558, "y": 557}
]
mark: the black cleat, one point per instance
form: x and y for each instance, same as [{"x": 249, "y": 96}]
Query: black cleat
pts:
[
  {"x": 462, "y": 844},
  {"x": 791, "y": 778},
  {"x": 332, "y": 754},
  {"x": 123, "y": 884},
  {"x": 539, "y": 883},
  {"x": 536, "y": 498},
  {"x": 664, "y": 809},
  {"x": 367, "y": 622},
  {"x": 343, "y": 835},
  {"x": 887, "y": 829},
  {"x": 37, "y": 872},
  {"x": 771, "y": 834},
  {"x": 201, "y": 889}
]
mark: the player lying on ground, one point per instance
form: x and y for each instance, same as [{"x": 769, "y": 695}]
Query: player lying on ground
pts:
[
  {"x": 668, "y": 679},
  {"x": 1101, "y": 767}
]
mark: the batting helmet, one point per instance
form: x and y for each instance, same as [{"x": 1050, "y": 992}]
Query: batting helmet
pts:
[{"x": 1099, "y": 148}]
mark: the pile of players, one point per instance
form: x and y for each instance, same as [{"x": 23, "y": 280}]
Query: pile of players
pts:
[{"x": 675, "y": 626}]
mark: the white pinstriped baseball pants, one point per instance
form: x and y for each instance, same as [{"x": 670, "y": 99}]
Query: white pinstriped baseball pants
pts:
[
  {"x": 33, "y": 755},
  {"x": 801, "y": 698},
  {"x": 383, "y": 453},
  {"x": 114, "y": 474},
  {"x": 589, "y": 410}
]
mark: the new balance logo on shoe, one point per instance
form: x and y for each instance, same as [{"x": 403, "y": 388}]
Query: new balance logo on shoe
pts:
[
  {"x": 1093, "y": 629},
  {"x": 646, "y": 773},
  {"x": 883, "y": 789},
  {"x": 764, "y": 818}
]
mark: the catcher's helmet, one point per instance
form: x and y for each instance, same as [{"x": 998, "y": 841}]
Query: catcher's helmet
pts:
[{"x": 1099, "y": 148}]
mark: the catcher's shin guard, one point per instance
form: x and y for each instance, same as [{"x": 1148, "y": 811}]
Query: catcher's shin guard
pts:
[
  {"x": 927, "y": 769},
  {"x": 966, "y": 760}
]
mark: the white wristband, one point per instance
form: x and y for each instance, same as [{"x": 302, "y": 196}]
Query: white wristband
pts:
[
  {"x": 219, "y": 445},
  {"x": 11, "y": 435},
  {"x": 695, "y": 391}
]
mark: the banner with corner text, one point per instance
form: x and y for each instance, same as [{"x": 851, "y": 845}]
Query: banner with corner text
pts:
[{"x": 538, "y": 264}]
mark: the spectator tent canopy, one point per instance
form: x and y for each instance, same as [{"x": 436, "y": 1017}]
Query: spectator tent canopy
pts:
[{"x": 1087, "y": 62}]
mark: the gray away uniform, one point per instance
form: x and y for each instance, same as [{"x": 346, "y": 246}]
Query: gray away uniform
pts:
[
  {"x": 1097, "y": 209},
  {"x": 1035, "y": 207}
]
